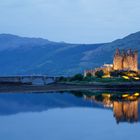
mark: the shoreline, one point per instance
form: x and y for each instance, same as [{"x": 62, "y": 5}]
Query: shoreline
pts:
[{"x": 62, "y": 87}]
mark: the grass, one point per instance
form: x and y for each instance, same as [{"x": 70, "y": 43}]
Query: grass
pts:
[{"x": 99, "y": 80}]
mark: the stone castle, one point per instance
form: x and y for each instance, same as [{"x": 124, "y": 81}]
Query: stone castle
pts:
[{"x": 123, "y": 60}]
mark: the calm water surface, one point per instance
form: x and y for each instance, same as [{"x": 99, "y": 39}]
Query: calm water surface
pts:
[{"x": 70, "y": 116}]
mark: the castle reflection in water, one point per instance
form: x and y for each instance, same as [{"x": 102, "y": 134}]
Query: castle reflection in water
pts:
[{"x": 125, "y": 106}]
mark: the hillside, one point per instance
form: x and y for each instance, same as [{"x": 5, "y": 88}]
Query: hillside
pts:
[
  {"x": 104, "y": 53},
  {"x": 21, "y": 55}
]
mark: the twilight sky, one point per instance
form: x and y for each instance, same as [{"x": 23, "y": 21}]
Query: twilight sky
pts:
[{"x": 77, "y": 21}]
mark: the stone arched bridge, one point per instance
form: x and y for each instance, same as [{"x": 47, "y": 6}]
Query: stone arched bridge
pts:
[{"x": 29, "y": 79}]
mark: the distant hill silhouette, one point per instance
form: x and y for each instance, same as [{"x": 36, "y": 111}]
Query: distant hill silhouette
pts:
[{"x": 22, "y": 55}]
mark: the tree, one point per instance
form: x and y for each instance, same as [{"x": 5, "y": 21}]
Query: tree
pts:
[
  {"x": 62, "y": 78},
  {"x": 89, "y": 75},
  {"x": 115, "y": 73},
  {"x": 99, "y": 73},
  {"x": 78, "y": 77}
]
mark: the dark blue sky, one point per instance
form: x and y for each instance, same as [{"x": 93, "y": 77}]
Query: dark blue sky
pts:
[{"x": 79, "y": 21}]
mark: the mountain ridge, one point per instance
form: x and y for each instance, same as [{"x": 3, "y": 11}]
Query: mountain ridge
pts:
[{"x": 23, "y": 55}]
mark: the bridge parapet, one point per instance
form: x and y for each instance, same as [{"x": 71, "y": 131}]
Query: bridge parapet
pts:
[{"x": 28, "y": 79}]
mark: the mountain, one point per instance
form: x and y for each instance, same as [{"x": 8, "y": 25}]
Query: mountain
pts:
[
  {"x": 104, "y": 53},
  {"x": 8, "y": 41},
  {"x": 22, "y": 55},
  {"x": 18, "y": 103}
]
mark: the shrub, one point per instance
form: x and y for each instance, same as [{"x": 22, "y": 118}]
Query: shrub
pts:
[
  {"x": 99, "y": 74},
  {"x": 89, "y": 75},
  {"x": 115, "y": 73},
  {"x": 77, "y": 77},
  {"x": 89, "y": 78},
  {"x": 62, "y": 79}
]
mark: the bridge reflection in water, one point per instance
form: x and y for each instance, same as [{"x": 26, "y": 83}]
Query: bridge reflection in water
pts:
[{"x": 125, "y": 106}]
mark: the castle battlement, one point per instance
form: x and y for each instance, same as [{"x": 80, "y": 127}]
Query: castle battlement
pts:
[{"x": 125, "y": 60}]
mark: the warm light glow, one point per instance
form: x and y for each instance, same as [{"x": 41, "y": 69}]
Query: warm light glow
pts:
[
  {"x": 136, "y": 78},
  {"x": 131, "y": 97},
  {"x": 125, "y": 77},
  {"x": 106, "y": 95},
  {"x": 125, "y": 95},
  {"x": 131, "y": 74},
  {"x": 136, "y": 94},
  {"x": 106, "y": 76}
]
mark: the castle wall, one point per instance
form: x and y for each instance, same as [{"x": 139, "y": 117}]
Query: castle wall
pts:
[
  {"x": 106, "y": 71},
  {"x": 136, "y": 61},
  {"x": 123, "y": 60}
]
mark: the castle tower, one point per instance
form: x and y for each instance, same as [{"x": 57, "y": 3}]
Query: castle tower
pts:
[
  {"x": 130, "y": 61},
  {"x": 125, "y": 60},
  {"x": 117, "y": 62}
]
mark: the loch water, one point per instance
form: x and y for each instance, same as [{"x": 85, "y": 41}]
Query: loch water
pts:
[{"x": 80, "y": 115}]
